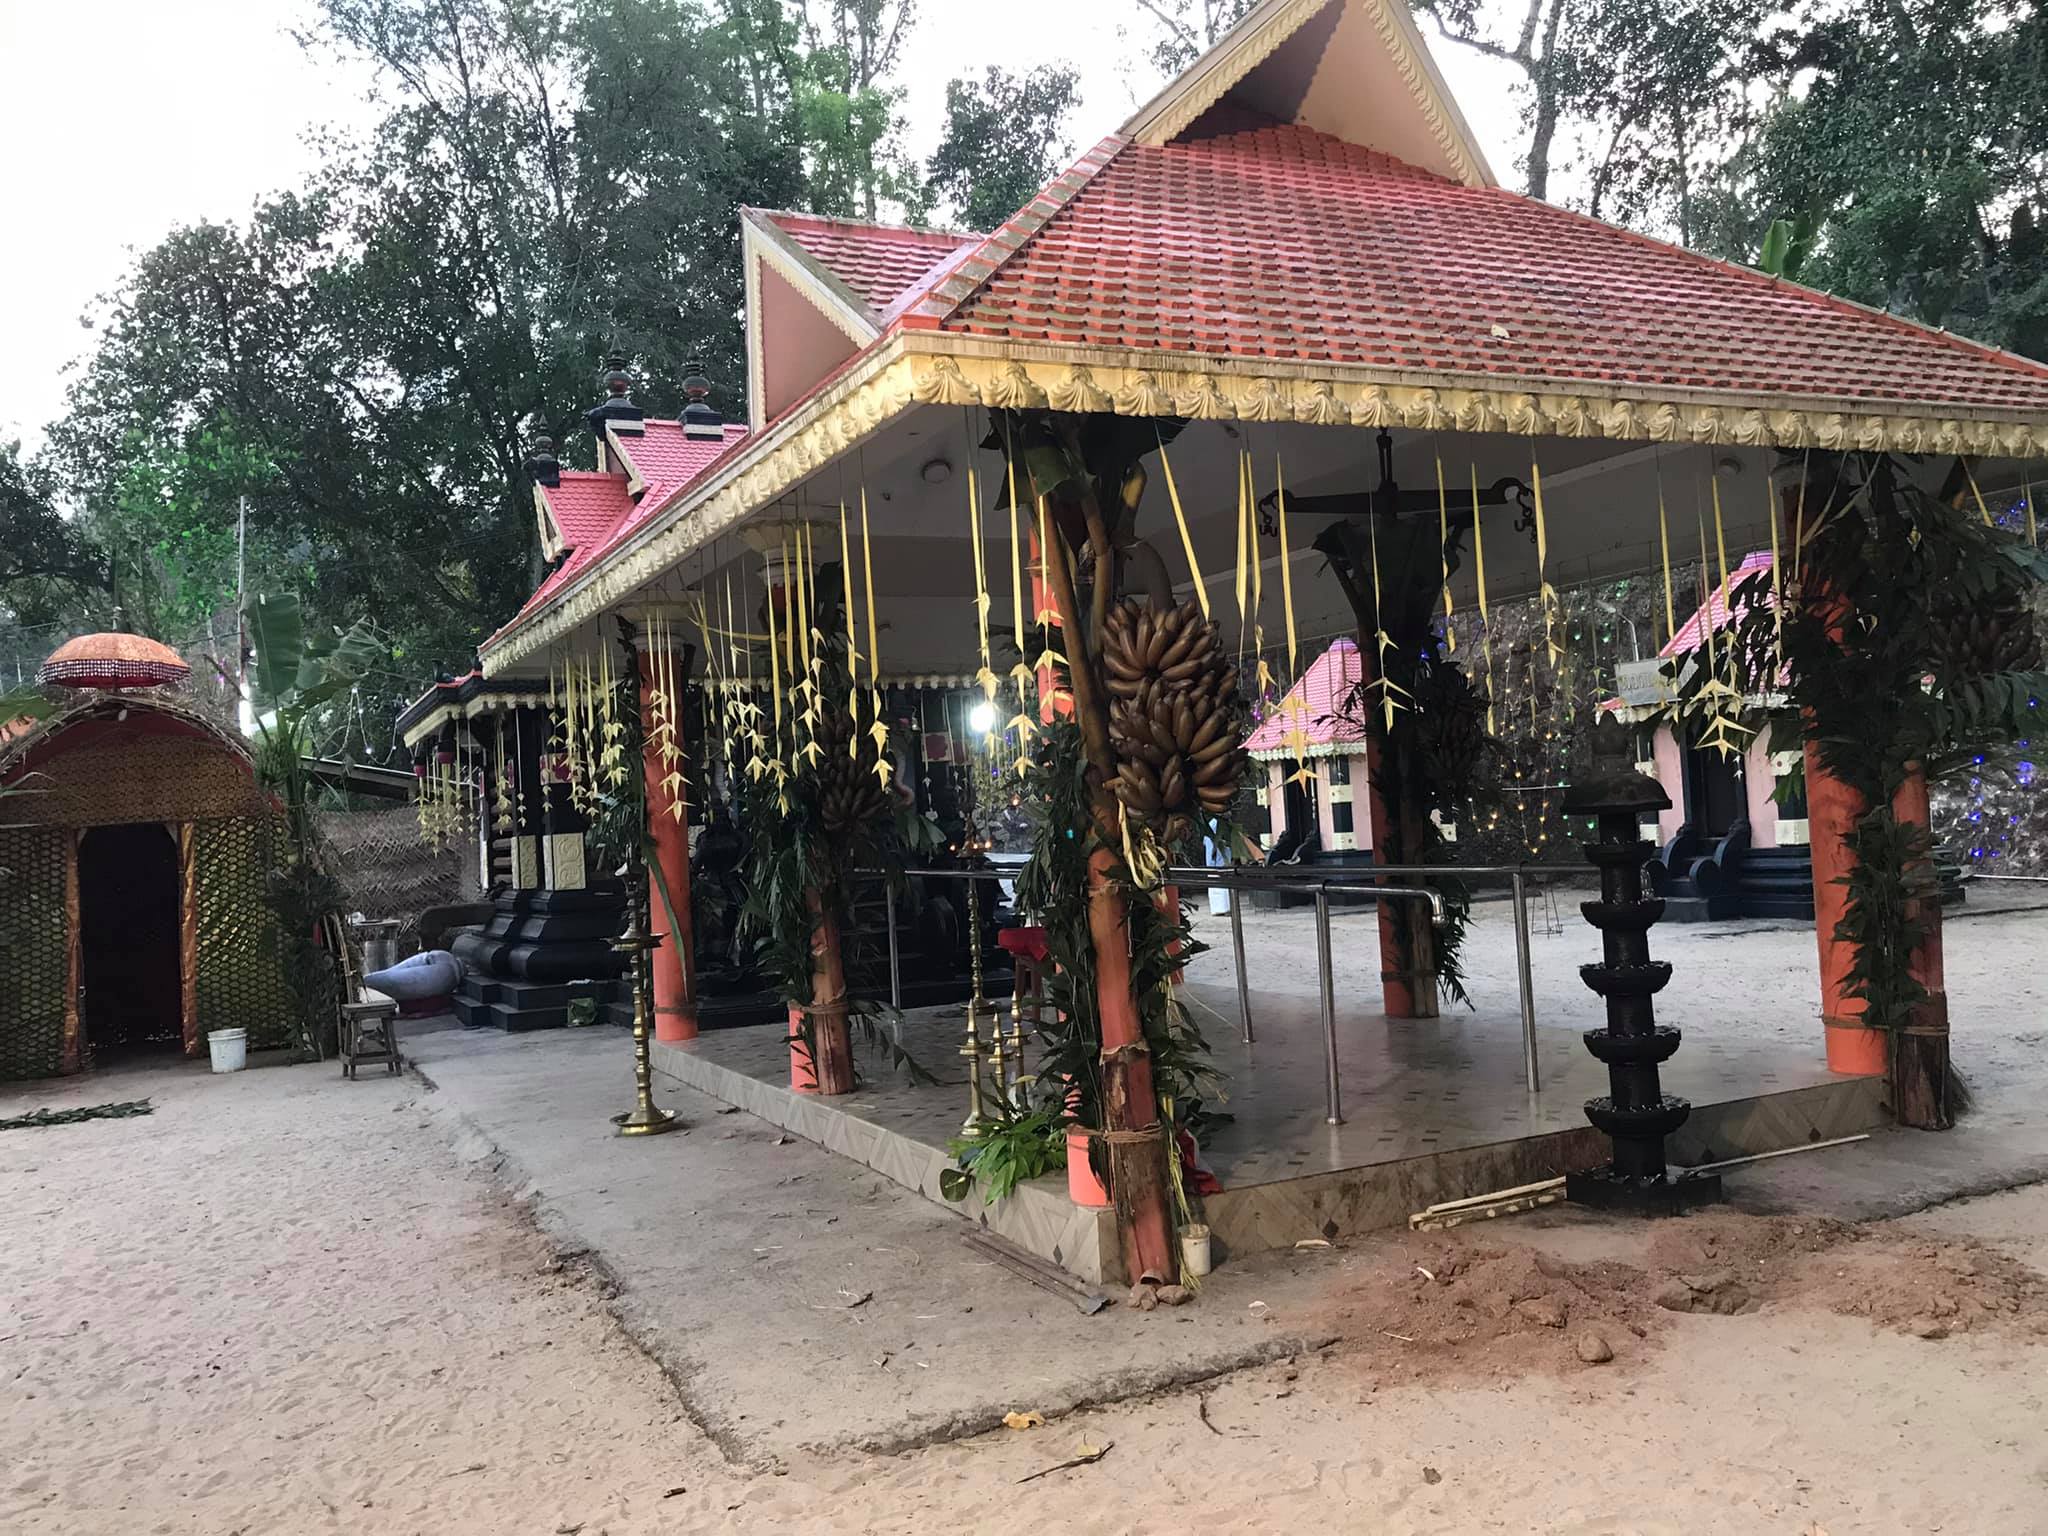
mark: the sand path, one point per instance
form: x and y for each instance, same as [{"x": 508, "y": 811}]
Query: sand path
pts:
[{"x": 281, "y": 1305}]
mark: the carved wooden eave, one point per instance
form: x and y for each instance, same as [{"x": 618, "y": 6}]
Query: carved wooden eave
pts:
[{"x": 912, "y": 368}]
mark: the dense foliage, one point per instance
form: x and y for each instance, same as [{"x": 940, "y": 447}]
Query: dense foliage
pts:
[{"x": 365, "y": 359}]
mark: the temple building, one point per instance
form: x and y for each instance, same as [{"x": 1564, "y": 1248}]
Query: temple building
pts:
[{"x": 1365, "y": 376}]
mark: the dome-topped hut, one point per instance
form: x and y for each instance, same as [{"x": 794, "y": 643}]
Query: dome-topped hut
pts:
[{"x": 135, "y": 845}]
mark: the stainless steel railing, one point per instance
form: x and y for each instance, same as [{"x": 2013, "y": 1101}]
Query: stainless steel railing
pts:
[{"x": 1357, "y": 883}]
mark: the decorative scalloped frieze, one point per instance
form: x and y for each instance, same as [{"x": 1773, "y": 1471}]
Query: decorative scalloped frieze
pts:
[{"x": 911, "y": 372}]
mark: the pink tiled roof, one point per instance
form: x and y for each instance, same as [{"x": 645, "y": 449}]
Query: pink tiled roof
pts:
[
  {"x": 596, "y": 513},
  {"x": 1714, "y": 612},
  {"x": 879, "y": 263},
  {"x": 665, "y": 457},
  {"x": 1312, "y": 704},
  {"x": 1282, "y": 242}
]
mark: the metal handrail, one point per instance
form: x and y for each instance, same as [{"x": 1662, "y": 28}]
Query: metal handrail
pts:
[{"x": 1353, "y": 882}]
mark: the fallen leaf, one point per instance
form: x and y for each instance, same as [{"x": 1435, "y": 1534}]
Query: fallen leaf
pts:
[{"x": 1029, "y": 1420}]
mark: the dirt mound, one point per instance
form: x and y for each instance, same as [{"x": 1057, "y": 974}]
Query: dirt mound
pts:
[
  {"x": 1459, "y": 1304},
  {"x": 1931, "y": 1289}
]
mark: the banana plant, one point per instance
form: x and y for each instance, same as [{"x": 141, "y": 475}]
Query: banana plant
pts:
[{"x": 299, "y": 672}]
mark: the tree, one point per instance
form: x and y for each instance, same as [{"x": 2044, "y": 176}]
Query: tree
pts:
[
  {"x": 44, "y": 556},
  {"x": 1186, "y": 29},
  {"x": 367, "y": 358},
  {"x": 1915, "y": 150},
  {"x": 850, "y": 117},
  {"x": 1005, "y": 138},
  {"x": 1656, "y": 88}
]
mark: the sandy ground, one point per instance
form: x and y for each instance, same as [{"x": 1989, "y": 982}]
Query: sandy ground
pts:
[{"x": 280, "y": 1304}]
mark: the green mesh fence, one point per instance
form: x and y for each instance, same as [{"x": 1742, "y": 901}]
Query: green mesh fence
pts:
[
  {"x": 34, "y": 961},
  {"x": 241, "y": 981}
]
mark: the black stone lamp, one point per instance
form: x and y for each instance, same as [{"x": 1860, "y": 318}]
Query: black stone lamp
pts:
[{"x": 1636, "y": 1114}]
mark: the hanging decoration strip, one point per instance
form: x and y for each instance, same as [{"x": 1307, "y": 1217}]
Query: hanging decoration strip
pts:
[
  {"x": 1286, "y": 569},
  {"x": 1664, "y": 546},
  {"x": 1383, "y": 642},
  {"x": 1485, "y": 618},
  {"x": 1247, "y": 551},
  {"x": 1546, "y": 592},
  {"x": 852, "y": 645},
  {"x": 1983, "y": 511},
  {"x": 2033, "y": 532},
  {"x": 1180, "y": 517},
  {"x": 1264, "y": 681},
  {"x": 1443, "y": 534},
  {"x": 1020, "y": 674},
  {"x": 1295, "y": 711},
  {"x": 506, "y": 822},
  {"x": 775, "y": 654},
  {"x": 987, "y": 675},
  {"x": 1777, "y": 569}
]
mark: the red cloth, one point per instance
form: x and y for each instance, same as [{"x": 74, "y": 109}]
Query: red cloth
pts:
[{"x": 1030, "y": 943}]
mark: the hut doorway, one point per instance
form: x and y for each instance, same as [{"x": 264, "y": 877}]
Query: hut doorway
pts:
[{"x": 128, "y": 899}]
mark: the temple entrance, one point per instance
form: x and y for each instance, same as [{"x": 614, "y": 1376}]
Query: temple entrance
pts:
[
  {"x": 1715, "y": 797},
  {"x": 128, "y": 940}
]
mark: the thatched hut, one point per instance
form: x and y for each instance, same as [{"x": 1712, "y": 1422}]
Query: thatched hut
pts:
[{"x": 135, "y": 846}]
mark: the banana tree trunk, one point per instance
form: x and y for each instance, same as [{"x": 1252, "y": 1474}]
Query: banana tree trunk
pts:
[
  {"x": 1135, "y": 1142},
  {"x": 831, "y": 1041}
]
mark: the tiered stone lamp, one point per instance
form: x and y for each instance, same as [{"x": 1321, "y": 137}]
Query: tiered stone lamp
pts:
[{"x": 1635, "y": 1114}]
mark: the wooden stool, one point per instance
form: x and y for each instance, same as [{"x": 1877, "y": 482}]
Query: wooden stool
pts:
[{"x": 369, "y": 1032}]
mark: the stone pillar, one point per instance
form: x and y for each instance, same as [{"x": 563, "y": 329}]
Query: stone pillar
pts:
[
  {"x": 1635, "y": 1114},
  {"x": 668, "y": 828}
]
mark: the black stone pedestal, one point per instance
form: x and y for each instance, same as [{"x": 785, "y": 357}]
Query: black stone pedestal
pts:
[{"x": 1635, "y": 1113}]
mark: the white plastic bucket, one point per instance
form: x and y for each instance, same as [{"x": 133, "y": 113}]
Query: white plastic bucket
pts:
[
  {"x": 230, "y": 1049},
  {"x": 1194, "y": 1249}
]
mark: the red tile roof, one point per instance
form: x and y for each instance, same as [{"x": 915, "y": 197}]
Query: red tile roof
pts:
[
  {"x": 1281, "y": 242},
  {"x": 596, "y": 513},
  {"x": 665, "y": 457},
  {"x": 879, "y": 263},
  {"x": 1312, "y": 705},
  {"x": 1714, "y": 612}
]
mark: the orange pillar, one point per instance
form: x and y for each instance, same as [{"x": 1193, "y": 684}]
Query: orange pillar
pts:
[
  {"x": 668, "y": 826},
  {"x": 1832, "y": 809}
]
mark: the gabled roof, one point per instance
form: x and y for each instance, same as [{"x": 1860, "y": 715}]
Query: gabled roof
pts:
[
  {"x": 1355, "y": 69},
  {"x": 874, "y": 264},
  {"x": 1299, "y": 229},
  {"x": 1277, "y": 242},
  {"x": 595, "y": 512},
  {"x": 1313, "y": 707}
]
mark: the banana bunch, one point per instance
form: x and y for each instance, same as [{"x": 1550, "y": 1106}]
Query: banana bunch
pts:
[
  {"x": 1450, "y": 725},
  {"x": 1999, "y": 638},
  {"x": 849, "y": 791},
  {"x": 1173, "y": 716}
]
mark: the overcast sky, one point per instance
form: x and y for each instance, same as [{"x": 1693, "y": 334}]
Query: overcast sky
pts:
[{"x": 192, "y": 109}]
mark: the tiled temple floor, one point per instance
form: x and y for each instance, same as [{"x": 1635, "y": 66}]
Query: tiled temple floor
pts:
[{"x": 1431, "y": 1110}]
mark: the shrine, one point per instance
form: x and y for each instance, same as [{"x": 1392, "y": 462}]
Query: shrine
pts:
[{"x": 1267, "y": 407}]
